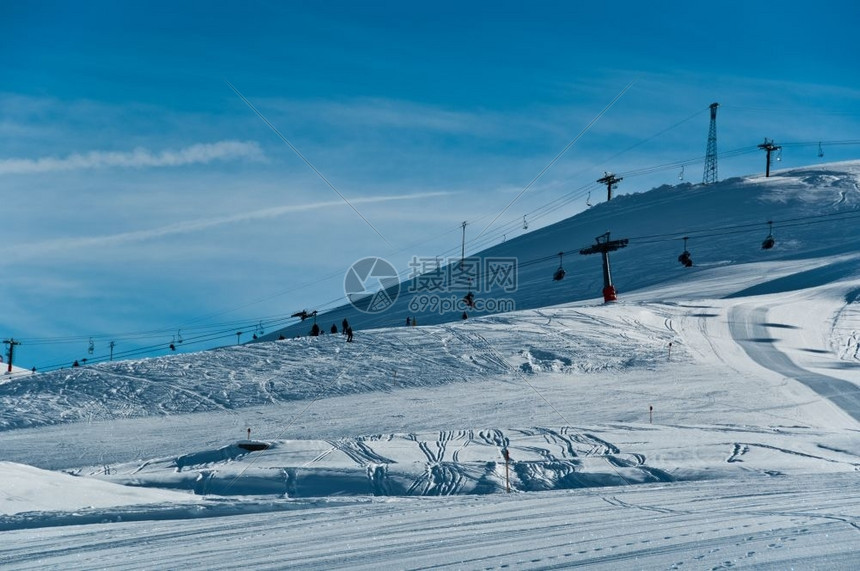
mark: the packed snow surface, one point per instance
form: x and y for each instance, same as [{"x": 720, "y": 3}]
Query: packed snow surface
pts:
[{"x": 709, "y": 419}]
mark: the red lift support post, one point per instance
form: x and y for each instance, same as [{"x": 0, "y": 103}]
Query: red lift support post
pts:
[
  {"x": 11, "y": 343},
  {"x": 604, "y": 246}
]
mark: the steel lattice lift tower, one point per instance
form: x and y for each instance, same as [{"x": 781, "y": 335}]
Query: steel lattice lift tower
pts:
[{"x": 711, "y": 154}]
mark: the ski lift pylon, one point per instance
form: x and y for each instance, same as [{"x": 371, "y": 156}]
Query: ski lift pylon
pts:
[{"x": 559, "y": 273}]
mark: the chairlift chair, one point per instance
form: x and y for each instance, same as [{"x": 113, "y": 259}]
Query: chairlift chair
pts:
[
  {"x": 685, "y": 258},
  {"x": 469, "y": 298},
  {"x": 559, "y": 273},
  {"x": 768, "y": 242}
]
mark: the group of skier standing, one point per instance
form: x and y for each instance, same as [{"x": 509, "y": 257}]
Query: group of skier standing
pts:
[{"x": 346, "y": 330}]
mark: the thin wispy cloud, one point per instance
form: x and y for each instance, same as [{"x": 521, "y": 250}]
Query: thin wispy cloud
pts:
[
  {"x": 406, "y": 115},
  {"x": 201, "y": 153},
  {"x": 29, "y": 251},
  {"x": 381, "y": 115}
]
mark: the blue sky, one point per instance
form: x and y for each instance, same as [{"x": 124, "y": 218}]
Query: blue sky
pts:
[{"x": 141, "y": 195}]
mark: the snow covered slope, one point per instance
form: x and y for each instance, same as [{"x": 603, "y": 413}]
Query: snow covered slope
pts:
[
  {"x": 26, "y": 489},
  {"x": 814, "y": 212},
  {"x": 709, "y": 419}
]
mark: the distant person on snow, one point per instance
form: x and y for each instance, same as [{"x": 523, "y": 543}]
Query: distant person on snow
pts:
[
  {"x": 408, "y": 321},
  {"x": 349, "y": 334},
  {"x": 344, "y": 326},
  {"x": 333, "y": 329},
  {"x": 315, "y": 330}
]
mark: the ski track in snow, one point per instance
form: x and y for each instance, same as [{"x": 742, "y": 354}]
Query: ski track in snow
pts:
[
  {"x": 788, "y": 523},
  {"x": 750, "y": 333}
]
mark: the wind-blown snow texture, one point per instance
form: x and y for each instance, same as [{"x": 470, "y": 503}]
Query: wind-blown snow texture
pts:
[{"x": 709, "y": 419}]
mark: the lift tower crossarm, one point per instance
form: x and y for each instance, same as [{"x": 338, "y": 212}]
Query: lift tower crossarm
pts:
[
  {"x": 604, "y": 244},
  {"x": 610, "y": 180}
]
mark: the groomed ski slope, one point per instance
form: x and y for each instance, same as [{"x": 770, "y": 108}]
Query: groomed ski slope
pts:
[{"x": 388, "y": 452}]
